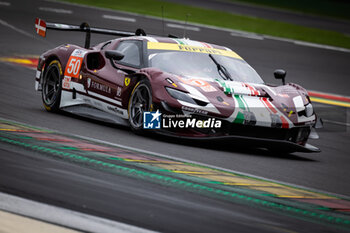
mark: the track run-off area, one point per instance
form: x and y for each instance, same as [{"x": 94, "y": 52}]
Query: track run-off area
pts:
[{"x": 185, "y": 176}]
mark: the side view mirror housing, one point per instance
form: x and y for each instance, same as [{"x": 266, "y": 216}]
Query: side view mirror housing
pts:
[
  {"x": 280, "y": 74},
  {"x": 114, "y": 55}
]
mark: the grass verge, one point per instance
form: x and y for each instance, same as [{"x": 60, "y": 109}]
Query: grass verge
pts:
[
  {"x": 331, "y": 8},
  {"x": 224, "y": 19}
]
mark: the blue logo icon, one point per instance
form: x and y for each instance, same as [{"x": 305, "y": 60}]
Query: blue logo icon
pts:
[{"x": 151, "y": 120}]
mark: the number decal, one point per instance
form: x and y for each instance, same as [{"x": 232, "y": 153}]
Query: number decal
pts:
[
  {"x": 74, "y": 63},
  {"x": 76, "y": 67},
  {"x": 73, "y": 67}
]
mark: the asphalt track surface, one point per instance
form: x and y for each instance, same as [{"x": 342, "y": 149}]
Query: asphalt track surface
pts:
[{"x": 22, "y": 174}]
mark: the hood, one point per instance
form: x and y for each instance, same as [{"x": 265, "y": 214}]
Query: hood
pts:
[{"x": 248, "y": 103}]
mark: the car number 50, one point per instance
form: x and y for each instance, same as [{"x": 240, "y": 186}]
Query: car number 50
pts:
[{"x": 73, "y": 67}]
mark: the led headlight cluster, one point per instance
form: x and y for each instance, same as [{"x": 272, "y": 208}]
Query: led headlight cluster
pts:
[{"x": 309, "y": 110}]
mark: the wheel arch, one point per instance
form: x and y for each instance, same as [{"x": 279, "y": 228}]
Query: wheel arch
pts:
[{"x": 51, "y": 58}]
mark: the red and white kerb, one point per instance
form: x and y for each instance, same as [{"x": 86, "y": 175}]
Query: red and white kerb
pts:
[{"x": 40, "y": 27}]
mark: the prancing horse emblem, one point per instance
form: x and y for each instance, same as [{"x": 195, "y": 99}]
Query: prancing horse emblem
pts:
[{"x": 127, "y": 81}]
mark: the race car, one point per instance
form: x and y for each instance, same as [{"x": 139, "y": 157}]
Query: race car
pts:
[{"x": 173, "y": 86}]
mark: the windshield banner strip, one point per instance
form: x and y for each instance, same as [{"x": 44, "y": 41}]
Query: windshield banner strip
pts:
[{"x": 189, "y": 48}]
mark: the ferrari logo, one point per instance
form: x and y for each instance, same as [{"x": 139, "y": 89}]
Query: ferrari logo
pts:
[{"x": 127, "y": 81}]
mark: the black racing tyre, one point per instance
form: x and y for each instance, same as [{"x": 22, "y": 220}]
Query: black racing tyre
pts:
[
  {"x": 140, "y": 101},
  {"x": 52, "y": 86}
]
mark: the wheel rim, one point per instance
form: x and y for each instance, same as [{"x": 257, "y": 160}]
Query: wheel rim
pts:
[
  {"x": 51, "y": 85},
  {"x": 140, "y": 103}
]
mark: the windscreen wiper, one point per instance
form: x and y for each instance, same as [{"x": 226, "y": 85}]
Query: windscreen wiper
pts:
[{"x": 221, "y": 69}]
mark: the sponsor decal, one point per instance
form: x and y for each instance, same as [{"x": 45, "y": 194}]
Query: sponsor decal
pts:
[
  {"x": 127, "y": 81},
  {"x": 238, "y": 88},
  {"x": 155, "y": 120},
  {"x": 98, "y": 86},
  {"x": 119, "y": 91},
  {"x": 66, "y": 82},
  {"x": 78, "y": 53},
  {"x": 190, "y": 48},
  {"x": 204, "y": 85},
  {"x": 194, "y": 110},
  {"x": 74, "y": 63}
]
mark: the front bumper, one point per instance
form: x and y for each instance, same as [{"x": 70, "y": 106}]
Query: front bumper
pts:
[{"x": 283, "y": 139}]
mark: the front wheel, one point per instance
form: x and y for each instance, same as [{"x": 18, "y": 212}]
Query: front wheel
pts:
[
  {"x": 140, "y": 102},
  {"x": 51, "y": 88}
]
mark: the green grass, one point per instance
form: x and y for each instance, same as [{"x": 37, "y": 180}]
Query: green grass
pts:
[
  {"x": 224, "y": 19},
  {"x": 330, "y": 8}
]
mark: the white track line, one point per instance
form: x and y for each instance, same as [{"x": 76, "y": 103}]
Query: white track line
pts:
[
  {"x": 64, "y": 217},
  {"x": 248, "y": 35},
  {"x": 178, "y": 26},
  {"x": 336, "y": 122},
  {"x": 114, "y": 17},
  {"x": 55, "y": 10},
  {"x": 2, "y": 22},
  {"x": 238, "y": 32},
  {"x": 309, "y": 44},
  {"x": 16, "y": 29},
  {"x": 5, "y": 4}
]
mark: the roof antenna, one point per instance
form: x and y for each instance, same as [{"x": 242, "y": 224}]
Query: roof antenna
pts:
[
  {"x": 163, "y": 19},
  {"x": 185, "y": 28}
]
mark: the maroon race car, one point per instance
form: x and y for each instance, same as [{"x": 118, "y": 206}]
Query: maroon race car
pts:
[{"x": 173, "y": 86}]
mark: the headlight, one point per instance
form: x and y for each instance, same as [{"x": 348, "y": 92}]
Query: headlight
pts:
[
  {"x": 180, "y": 95},
  {"x": 309, "y": 110}
]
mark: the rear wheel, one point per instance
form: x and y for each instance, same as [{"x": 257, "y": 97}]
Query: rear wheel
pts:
[
  {"x": 140, "y": 102},
  {"x": 51, "y": 87}
]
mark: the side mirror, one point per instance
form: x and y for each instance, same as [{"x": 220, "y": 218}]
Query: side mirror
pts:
[
  {"x": 280, "y": 74},
  {"x": 114, "y": 55}
]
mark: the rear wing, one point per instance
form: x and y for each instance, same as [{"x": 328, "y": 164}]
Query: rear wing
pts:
[{"x": 41, "y": 26}]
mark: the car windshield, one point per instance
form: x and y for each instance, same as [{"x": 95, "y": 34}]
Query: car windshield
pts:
[{"x": 201, "y": 65}]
